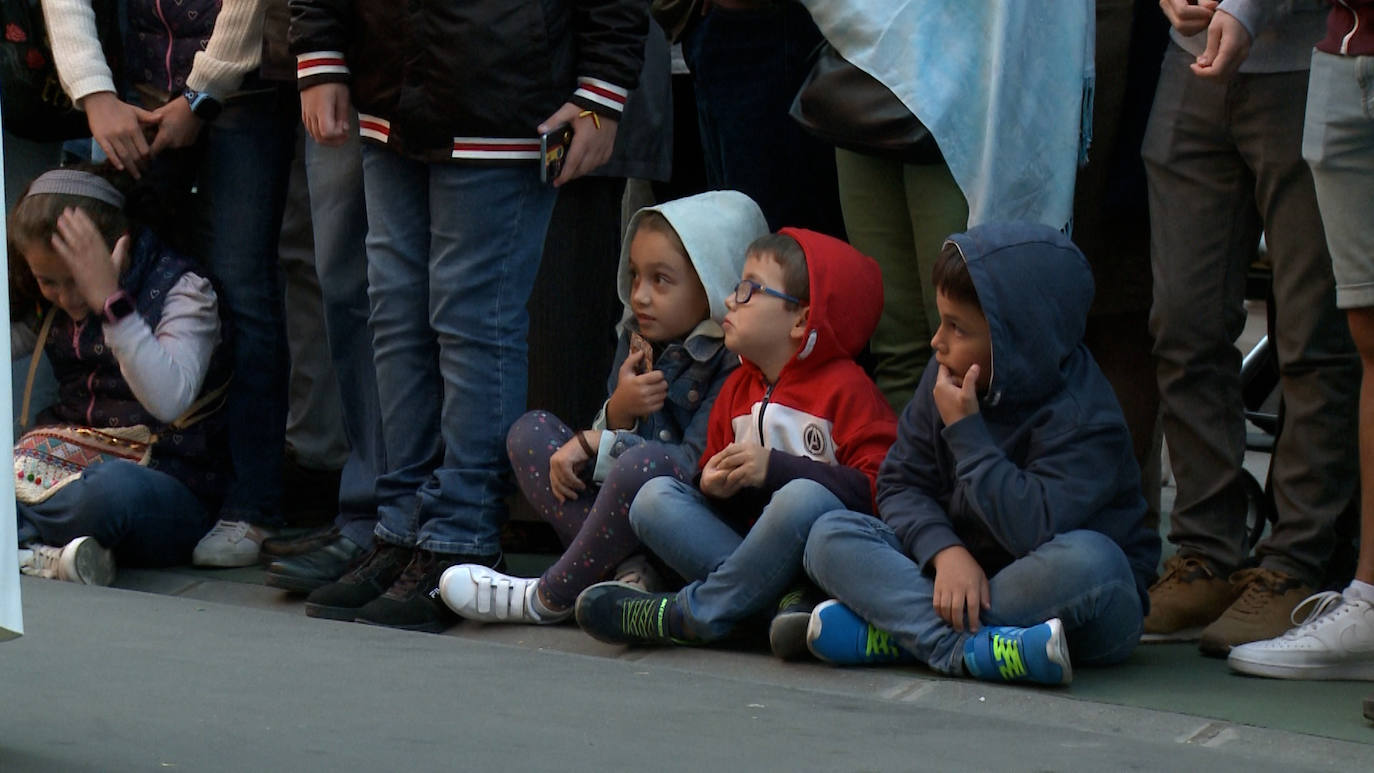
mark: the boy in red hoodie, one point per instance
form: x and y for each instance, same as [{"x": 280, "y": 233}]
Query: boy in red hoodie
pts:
[{"x": 797, "y": 431}]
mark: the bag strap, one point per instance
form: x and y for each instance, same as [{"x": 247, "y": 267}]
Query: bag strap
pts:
[
  {"x": 190, "y": 415},
  {"x": 33, "y": 367}
]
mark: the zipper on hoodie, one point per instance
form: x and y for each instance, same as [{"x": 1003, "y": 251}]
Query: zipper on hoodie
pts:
[
  {"x": 763, "y": 406},
  {"x": 90, "y": 379},
  {"x": 167, "y": 61}
]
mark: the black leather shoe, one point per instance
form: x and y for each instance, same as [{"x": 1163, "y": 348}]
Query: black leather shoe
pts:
[
  {"x": 308, "y": 571},
  {"x": 342, "y": 599},
  {"x": 412, "y": 603}
]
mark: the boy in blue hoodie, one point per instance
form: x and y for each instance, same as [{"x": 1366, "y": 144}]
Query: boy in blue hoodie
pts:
[{"x": 1012, "y": 529}]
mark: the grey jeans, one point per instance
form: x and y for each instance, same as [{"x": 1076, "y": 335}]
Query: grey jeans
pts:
[{"x": 1223, "y": 162}]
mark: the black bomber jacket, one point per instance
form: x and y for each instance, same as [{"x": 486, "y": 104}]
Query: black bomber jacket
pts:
[{"x": 469, "y": 80}]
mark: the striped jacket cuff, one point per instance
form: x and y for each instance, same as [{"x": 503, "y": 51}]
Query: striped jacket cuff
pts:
[
  {"x": 600, "y": 96},
  {"x": 321, "y": 67}
]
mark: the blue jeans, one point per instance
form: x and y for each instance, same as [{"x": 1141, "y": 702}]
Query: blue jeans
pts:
[
  {"x": 452, "y": 253},
  {"x": 733, "y": 577},
  {"x": 1081, "y": 577},
  {"x": 147, "y": 517},
  {"x": 242, "y": 174},
  {"x": 338, "y": 210}
]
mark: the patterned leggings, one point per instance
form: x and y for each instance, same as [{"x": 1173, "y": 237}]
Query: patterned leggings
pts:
[{"x": 595, "y": 527}]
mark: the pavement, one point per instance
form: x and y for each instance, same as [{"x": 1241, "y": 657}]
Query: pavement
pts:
[{"x": 210, "y": 670}]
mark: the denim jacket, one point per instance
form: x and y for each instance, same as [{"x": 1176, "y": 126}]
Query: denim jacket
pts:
[{"x": 695, "y": 369}]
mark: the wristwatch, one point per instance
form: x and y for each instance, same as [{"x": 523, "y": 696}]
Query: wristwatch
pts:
[
  {"x": 203, "y": 106},
  {"x": 118, "y": 306}
]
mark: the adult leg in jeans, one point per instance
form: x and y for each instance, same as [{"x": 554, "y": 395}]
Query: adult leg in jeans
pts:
[
  {"x": 900, "y": 214},
  {"x": 1080, "y": 577},
  {"x": 452, "y": 254},
  {"x": 147, "y": 517},
  {"x": 763, "y": 566},
  {"x": 243, "y": 177},
  {"x": 746, "y": 67},
  {"x": 338, "y": 210}
]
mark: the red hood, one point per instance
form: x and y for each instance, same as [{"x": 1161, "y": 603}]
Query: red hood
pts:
[{"x": 846, "y": 299}]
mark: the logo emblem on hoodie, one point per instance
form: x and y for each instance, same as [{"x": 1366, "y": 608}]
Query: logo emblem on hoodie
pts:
[{"x": 814, "y": 438}]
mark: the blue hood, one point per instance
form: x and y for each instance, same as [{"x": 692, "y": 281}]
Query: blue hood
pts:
[{"x": 1035, "y": 287}]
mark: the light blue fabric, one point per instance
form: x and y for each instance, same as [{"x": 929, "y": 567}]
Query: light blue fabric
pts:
[{"x": 1005, "y": 88}]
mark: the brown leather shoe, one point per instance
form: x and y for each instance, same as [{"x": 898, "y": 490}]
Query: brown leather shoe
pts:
[
  {"x": 1188, "y": 596},
  {"x": 1263, "y": 610}
]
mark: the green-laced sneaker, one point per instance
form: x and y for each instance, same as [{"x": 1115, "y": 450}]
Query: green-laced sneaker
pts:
[
  {"x": 619, "y": 613},
  {"x": 787, "y": 630},
  {"x": 1038, "y": 654},
  {"x": 837, "y": 635}
]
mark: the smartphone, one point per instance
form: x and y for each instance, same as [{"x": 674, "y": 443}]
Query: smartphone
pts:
[{"x": 553, "y": 149}]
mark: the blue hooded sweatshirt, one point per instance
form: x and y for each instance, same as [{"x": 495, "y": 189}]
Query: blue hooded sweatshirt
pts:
[{"x": 1049, "y": 451}]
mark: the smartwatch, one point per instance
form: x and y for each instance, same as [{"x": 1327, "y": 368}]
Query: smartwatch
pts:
[
  {"x": 203, "y": 106},
  {"x": 118, "y": 306}
]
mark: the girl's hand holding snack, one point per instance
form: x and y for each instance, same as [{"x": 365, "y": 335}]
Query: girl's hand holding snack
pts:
[
  {"x": 94, "y": 269},
  {"x": 636, "y": 394}
]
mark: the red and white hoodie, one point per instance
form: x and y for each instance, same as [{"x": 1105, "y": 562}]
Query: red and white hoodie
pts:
[
  {"x": 469, "y": 82},
  {"x": 823, "y": 418}
]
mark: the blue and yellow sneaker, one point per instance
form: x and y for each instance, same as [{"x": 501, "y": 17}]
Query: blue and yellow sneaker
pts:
[
  {"x": 619, "y": 613},
  {"x": 1003, "y": 653},
  {"x": 837, "y": 635}
]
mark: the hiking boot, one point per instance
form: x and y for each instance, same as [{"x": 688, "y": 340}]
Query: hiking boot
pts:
[
  {"x": 1263, "y": 611},
  {"x": 370, "y": 578},
  {"x": 623, "y": 614},
  {"x": 1004, "y": 653},
  {"x": 1334, "y": 641},
  {"x": 308, "y": 571},
  {"x": 483, "y": 594},
  {"x": 231, "y": 544},
  {"x": 1188, "y": 596},
  {"x": 637, "y": 571},
  {"x": 83, "y": 561},
  {"x": 838, "y": 636},
  {"x": 787, "y": 630},
  {"x": 412, "y": 602}
]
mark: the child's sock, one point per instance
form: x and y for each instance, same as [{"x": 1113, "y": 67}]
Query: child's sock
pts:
[
  {"x": 1360, "y": 590},
  {"x": 545, "y": 609}
]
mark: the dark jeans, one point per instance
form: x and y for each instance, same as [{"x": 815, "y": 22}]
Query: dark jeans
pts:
[{"x": 746, "y": 68}]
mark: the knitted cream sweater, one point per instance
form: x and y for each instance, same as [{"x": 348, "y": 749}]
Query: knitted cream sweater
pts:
[{"x": 235, "y": 48}]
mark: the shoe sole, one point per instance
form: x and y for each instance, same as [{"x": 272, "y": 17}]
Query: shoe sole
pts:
[
  {"x": 293, "y": 584},
  {"x": 1060, "y": 642},
  {"x": 343, "y": 614},
  {"x": 93, "y": 564},
  {"x": 787, "y": 635},
  {"x": 434, "y": 626},
  {"x": 1329, "y": 671}
]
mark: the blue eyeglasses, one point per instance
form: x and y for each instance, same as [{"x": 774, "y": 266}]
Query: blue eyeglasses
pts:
[{"x": 747, "y": 287}]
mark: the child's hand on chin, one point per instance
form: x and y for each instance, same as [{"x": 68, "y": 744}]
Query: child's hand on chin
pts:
[{"x": 956, "y": 399}]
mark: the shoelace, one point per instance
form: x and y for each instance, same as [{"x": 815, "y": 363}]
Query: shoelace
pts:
[
  {"x": 1259, "y": 585},
  {"x": 1006, "y": 652},
  {"x": 643, "y": 617},
  {"x": 880, "y": 644},
  {"x": 230, "y": 530},
  {"x": 1319, "y": 603},
  {"x": 793, "y": 598},
  {"x": 42, "y": 561},
  {"x": 415, "y": 571},
  {"x": 1181, "y": 569}
]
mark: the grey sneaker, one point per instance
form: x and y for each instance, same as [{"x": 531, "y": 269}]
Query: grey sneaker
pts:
[
  {"x": 83, "y": 560},
  {"x": 637, "y": 571}
]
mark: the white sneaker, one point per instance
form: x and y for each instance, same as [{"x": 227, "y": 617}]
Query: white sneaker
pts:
[
  {"x": 637, "y": 571},
  {"x": 229, "y": 544},
  {"x": 481, "y": 593},
  {"x": 83, "y": 560},
  {"x": 1334, "y": 641}
]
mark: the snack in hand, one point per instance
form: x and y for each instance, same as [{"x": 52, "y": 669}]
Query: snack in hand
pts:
[{"x": 639, "y": 343}]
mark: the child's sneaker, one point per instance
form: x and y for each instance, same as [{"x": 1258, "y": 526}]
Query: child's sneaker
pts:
[
  {"x": 838, "y": 636},
  {"x": 623, "y": 614},
  {"x": 637, "y": 571},
  {"x": 1334, "y": 641},
  {"x": 1003, "y": 653},
  {"x": 787, "y": 631},
  {"x": 483, "y": 594},
  {"x": 231, "y": 544},
  {"x": 83, "y": 560}
]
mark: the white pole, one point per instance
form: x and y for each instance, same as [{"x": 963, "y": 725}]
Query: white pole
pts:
[{"x": 11, "y": 612}]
